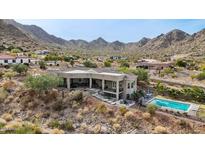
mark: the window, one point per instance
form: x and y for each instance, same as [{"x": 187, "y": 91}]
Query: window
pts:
[
  {"x": 128, "y": 96},
  {"x": 5, "y": 61},
  {"x": 132, "y": 85},
  {"x": 21, "y": 60},
  {"x": 13, "y": 61},
  {"x": 128, "y": 86},
  {"x": 114, "y": 85}
]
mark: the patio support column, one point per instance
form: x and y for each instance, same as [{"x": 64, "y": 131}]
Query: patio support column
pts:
[
  {"x": 117, "y": 90},
  {"x": 68, "y": 83},
  {"x": 103, "y": 85},
  {"x": 90, "y": 82}
]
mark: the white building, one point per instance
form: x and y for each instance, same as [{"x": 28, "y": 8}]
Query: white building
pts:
[
  {"x": 119, "y": 86},
  {"x": 8, "y": 59}
]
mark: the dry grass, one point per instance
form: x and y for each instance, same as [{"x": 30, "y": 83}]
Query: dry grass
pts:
[{"x": 201, "y": 112}]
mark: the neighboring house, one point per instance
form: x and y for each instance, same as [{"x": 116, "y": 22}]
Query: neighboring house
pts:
[
  {"x": 52, "y": 63},
  {"x": 8, "y": 59},
  {"x": 118, "y": 58},
  {"x": 153, "y": 64},
  {"x": 119, "y": 86},
  {"x": 42, "y": 52}
]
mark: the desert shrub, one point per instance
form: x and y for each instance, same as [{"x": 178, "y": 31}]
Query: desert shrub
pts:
[
  {"x": 28, "y": 129},
  {"x": 16, "y": 50},
  {"x": 54, "y": 124},
  {"x": 68, "y": 58},
  {"x": 117, "y": 127},
  {"x": 77, "y": 96},
  {"x": 68, "y": 125},
  {"x": 2, "y": 123},
  {"x": 3, "y": 94},
  {"x": 88, "y": 63},
  {"x": 107, "y": 64},
  {"x": 146, "y": 115},
  {"x": 42, "y": 65},
  {"x": 168, "y": 70},
  {"x": 20, "y": 68},
  {"x": 8, "y": 84},
  {"x": 7, "y": 117},
  {"x": 130, "y": 116},
  {"x": 43, "y": 82},
  {"x": 160, "y": 130},
  {"x": 1, "y": 74},
  {"x": 124, "y": 64},
  {"x": 57, "y": 131},
  {"x": 137, "y": 95},
  {"x": 97, "y": 129},
  {"x": 72, "y": 62},
  {"x": 9, "y": 74},
  {"x": 58, "y": 106},
  {"x": 200, "y": 76},
  {"x": 142, "y": 74},
  {"x": 151, "y": 108},
  {"x": 181, "y": 63},
  {"x": 101, "y": 108},
  {"x": 184, "y": 124},
  {"x": 123, "y": 110},
  {"x": 52, "y": 57},
  {"x": 188, "y": 93}
]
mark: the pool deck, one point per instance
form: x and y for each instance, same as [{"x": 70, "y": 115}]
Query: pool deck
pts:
[{"x": 192, "y": 111}]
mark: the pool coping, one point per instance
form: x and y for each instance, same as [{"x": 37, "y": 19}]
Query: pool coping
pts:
[{"x": 172, "y": 109}]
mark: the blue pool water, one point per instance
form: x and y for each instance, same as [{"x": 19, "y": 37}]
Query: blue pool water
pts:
[{"x": 171, "y": 104}]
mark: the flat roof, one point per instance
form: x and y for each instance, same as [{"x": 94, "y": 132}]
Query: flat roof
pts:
[{"x": 112, "y": 74}]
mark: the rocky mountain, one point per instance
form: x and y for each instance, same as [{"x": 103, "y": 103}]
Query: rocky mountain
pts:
[
  {"x": 12, "y": 36},
  {"x": 37, "y": 33},
  {"x": 32, "y": 37}
]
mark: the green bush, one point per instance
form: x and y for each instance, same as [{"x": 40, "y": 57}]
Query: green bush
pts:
[
  {"x": 88, "y": 63},
  {"x": 54, "y": 124},
  {"x": 151, "y": 108},
  {"x": 16, "y": 50},
  {"x": 20, "y": 68},
  {"x": 124, "y": 64},
  {"x": 181, "y": 63},
  {"x": 142, "y": 74},
  {"x": 52, "y": 57},
  {"x": 168, "y": 70},
  {"x": 43, "y": 82},
  {"x": 9, "y": 74},
  {"x": 187, "y": 93},
  {"x": 68, "y": 58},
  {"x": 42, "y": 65},
  {"x": 3, "y": 94},
  {"x": 72, "y": 62},
  {"x": 201, "y": 76},
  {"x": 107, "y": 64},
  {"x": 68, "y": 125}
]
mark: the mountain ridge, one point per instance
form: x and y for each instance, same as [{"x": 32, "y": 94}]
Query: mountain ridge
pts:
[{"x": 174, "y": 41}]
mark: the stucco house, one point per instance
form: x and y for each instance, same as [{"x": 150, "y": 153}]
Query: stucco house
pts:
[
  {"x": 153, "y": 64},
  {"x": 8, "y": 59},
  {"x": 117, "y": 85}
]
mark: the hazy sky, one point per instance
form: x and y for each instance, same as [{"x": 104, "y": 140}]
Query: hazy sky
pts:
[{"x": 111, "y": 30}]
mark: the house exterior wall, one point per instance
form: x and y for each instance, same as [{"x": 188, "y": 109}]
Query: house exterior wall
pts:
[
  {"x": 14, "y": 61},
  {"x": 112, "y": 84}
]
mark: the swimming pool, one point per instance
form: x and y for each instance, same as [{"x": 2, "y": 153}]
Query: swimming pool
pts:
[{"x": 171, "y": 104}]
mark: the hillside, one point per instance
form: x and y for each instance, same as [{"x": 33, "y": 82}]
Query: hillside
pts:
[{"x": 12, "y": 36}]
